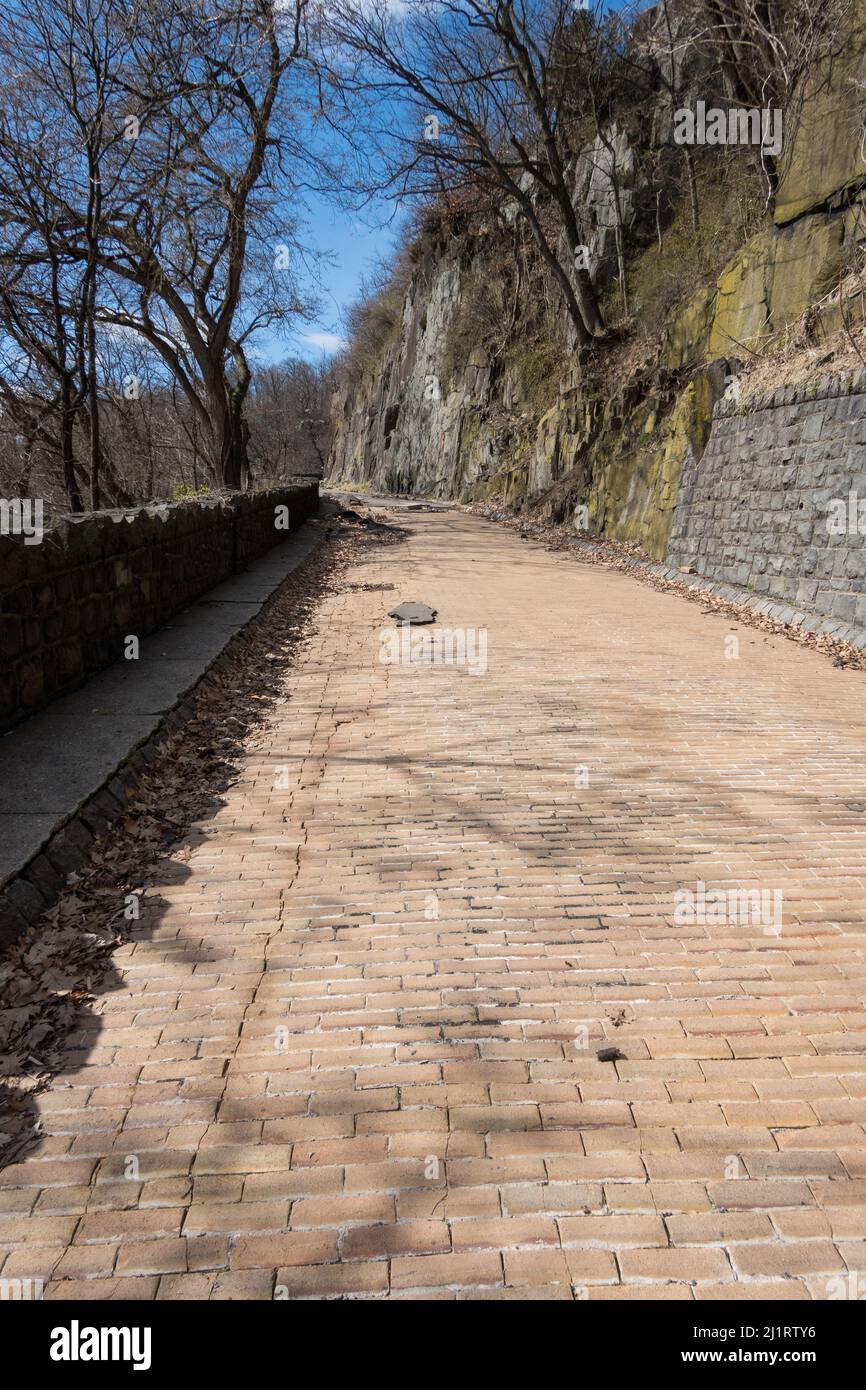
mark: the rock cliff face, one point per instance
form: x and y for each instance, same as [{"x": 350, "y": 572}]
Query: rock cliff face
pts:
[
  {"x": 403, "y": 430},
  {"x": 419, "y": 423}
]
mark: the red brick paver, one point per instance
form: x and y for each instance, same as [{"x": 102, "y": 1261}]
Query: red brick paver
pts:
[{"x": 354, "y": 1052}]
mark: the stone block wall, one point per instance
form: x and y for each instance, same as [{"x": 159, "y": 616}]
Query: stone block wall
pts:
[
  {"x": 755, "y": 509},
  {"x": 67, "y": 604}
]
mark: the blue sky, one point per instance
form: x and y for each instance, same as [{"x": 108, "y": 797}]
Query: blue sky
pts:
[{"x": 357, "y": 242}]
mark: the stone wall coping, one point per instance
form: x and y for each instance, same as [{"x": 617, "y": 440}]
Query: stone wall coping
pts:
[
  {"x": 64, "y": 524},
  {"x": 823, "y": 388}
]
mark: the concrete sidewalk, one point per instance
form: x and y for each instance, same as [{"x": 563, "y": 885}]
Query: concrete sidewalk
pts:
[{"x": 56, "y": 762}]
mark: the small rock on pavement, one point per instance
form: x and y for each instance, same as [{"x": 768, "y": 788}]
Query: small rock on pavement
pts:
[{"x": 413, "y": 613}]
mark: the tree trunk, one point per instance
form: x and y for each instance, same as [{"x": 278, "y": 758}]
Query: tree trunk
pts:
[
  {"x": 693, "y": 186},
  {"x": 233, "y": 463},
  {"x": 552, "y": 261},
  {"x": 94, "y": 214},
  {"x": 67, "y": 452},
  {"x": 618, "y": 231},
  {"x": 93, "y": 410}
]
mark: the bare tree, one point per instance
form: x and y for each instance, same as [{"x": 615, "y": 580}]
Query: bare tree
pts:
[
  {"x": 167, "y": 198},
  {"x": 665, "y": 42},
  {"x": 290, "y": 425},
  {"x": 603, "y": 85},
  {"x": 41, "y": 293},
  {"x": 203, "y": 234},
  {"x": 763, "y": 51},
  {"x": 455, "y": 93}
]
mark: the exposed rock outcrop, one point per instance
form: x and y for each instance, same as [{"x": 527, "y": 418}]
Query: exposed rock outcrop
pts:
[{"x": 418, "y": 422}]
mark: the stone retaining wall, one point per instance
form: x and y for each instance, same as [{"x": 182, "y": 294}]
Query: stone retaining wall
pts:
[
  {"x": 68, "y": 603},
  {"x": 756, "y": 509}
]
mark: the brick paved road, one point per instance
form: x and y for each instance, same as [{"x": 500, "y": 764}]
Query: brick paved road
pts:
[{"x": 356, "y": 1048}]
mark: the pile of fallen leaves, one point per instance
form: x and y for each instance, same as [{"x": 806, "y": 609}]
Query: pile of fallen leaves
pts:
[
  {"x": 48, "y": 977},
  {"x": 631, "y": 558}
]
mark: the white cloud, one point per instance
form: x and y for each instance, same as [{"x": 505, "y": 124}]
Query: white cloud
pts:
[{"x": 328, "y": 342}]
